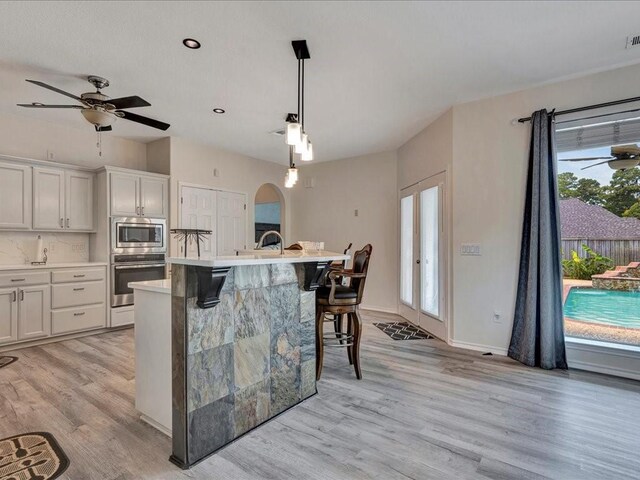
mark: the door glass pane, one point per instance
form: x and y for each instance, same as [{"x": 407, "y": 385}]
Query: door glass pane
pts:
[
  {"x": 406, "y": 250},
  {"x": 429, "y": 241}
]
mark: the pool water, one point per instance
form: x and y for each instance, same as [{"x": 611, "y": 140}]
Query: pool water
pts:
[{"x": 610, "y": 307}]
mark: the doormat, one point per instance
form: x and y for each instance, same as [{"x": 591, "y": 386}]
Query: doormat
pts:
[
  {"x": 31, "y": 456},
  {"x": 6, "y": 360},
  {"x": 403, "y": 331}
]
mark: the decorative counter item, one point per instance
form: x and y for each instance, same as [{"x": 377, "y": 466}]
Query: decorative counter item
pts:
[{"x": 189, "y": 235}]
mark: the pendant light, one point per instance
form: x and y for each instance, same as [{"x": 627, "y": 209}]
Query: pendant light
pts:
[{"x": 295, "y": 135}]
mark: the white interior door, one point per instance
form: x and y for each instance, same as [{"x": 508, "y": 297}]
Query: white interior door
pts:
[
  {"x": 198, "y": 210},
  {"x": 423, "y": 258},
  {"x": 231, "y": 224}
]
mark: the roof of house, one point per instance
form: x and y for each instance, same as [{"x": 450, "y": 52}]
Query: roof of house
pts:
[{"x": 581, "y": 220}]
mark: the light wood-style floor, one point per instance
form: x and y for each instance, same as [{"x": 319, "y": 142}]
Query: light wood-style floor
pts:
[{"x": 423, "y": 411}]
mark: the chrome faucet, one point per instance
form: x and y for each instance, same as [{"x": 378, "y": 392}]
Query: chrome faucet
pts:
[{"x": 265, "y": 234}]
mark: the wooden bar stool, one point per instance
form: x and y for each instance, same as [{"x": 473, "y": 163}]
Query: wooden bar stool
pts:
[{"x": 340, "y": 300}]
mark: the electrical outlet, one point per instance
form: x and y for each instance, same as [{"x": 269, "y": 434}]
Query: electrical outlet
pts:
[
  {"x": 51, "y": 156},
  {"x": 355, "y": 212},
  {"x": 78, "y": 247},
  {"x": 216, "y": 173},
  {"x": 497, "y": 317}
]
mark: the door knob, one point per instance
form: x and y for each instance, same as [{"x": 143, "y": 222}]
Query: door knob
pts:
[{"x": 417, "y": 261}]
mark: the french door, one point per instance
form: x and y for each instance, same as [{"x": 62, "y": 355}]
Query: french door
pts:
[{"x": 423, "y": 258}]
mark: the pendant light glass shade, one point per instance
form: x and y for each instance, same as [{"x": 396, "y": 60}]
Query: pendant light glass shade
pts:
[
  {"x": 294, "y": 134},
  {"x": 293, "y": 175},
  {"x": 302, "y": 147},
  {"x": 307, "y": 155}
]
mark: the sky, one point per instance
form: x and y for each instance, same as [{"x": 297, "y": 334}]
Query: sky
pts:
[{"x": 601, "y": 173}]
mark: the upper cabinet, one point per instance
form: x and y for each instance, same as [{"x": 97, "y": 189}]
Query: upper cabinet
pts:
[
  {"x": 15, "y": 196},
  {"x": 138, "y": 195},
  {"x": 62, "y": 200}
]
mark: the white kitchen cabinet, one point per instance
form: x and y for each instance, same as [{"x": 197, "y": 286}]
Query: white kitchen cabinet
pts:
[
  {"x": 34, "y": 312},
  {"x": 62, "y": 199},
  {"x": 48, "y": 199},
  {"x": 8, "y": 315},
  {"x": 153, "y": 197},
  {"x": 79, "y": 200},
  {"x": 138, "y": 195},
  {"x": 125, "y": 195},
  {"x": 15, "y": 196}
]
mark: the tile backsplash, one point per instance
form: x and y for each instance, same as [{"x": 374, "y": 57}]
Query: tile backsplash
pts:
[{"x": 18, "y": 248}]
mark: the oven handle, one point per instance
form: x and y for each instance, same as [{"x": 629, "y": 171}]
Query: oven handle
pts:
[{"x": 120, "y": 267}]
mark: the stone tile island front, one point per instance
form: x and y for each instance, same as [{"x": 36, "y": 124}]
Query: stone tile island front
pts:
[{"x": 243, "y": 344}]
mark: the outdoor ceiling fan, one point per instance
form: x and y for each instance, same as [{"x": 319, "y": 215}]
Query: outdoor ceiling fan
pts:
[
  {"x": 100, "y": 110},
  {"x": 622, "y": 157}
]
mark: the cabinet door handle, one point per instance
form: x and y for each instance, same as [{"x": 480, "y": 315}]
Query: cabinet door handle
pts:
[
  {"x": 21, "y": 295},
  {"x": 142, "y": 209},
  {"x": 67, "y": 223},
  {"x": 78, "y": 314},
  {"x": 15, "y": 296},
  {"x": 17, "y": 279},
  {"x": 78, "y": 289},
  {"x": 79, "y": 276},
  {"x": 62, "y": 223}
]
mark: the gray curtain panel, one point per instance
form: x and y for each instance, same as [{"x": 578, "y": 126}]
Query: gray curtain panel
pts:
[{"x": 537, "y": 338}]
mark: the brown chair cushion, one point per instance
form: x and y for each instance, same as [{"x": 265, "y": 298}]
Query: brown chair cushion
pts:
[{"x": 342, "y": 292}]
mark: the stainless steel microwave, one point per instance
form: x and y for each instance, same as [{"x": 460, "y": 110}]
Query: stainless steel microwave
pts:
[{"x": 138, "y": 235}]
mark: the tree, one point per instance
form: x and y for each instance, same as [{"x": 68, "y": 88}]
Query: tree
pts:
[
  {"x": 633, "y": 211},
  {"x": 586, "y": 189},
  {"x": 623, "y": 191}
]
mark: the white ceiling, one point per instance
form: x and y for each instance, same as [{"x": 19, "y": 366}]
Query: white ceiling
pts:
[{"x": 379, "y": 71}]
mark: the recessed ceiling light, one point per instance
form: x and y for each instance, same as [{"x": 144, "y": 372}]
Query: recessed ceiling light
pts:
[
  {"x": 191, "y": 43},
  {"x": 218, "y": 110}
]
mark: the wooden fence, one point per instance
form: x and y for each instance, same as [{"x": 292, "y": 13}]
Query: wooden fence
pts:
[{"x": 622, "y": 252}]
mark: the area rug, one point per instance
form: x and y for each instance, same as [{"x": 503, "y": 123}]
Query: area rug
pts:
[
  {"x": 403, "y": 331},
  {"x": 31, "y": 456},
  {"x": 6, "y": 360}
]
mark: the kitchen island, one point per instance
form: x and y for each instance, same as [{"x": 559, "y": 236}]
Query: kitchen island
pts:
[{"x": 243, "y": 344}]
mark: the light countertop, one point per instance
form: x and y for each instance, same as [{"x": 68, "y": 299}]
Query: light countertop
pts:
[
  {"x": 261, "y": 257},
  {"x": 28, "y": 266},
  {"x": 159, "y": 286}
]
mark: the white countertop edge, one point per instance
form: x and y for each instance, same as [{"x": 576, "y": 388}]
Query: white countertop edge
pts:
[
  {"x": 28, "y": 266},
  {"x": 159, "y": 286},
  {"x": 291, "y": 256}
]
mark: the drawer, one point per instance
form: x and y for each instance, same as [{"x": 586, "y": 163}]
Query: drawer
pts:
[
  {"x": 122, "y": 316},
  {"x": 77, "y": 319},
  {"x": 17, "y": 279},
  {"x": 77, "y": 275},
  {"x": 74, "y": 294}
]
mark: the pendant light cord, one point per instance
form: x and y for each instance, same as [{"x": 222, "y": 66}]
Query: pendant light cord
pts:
[
  {"x": 298, "y": 119},
  {"x": 302, "y": 121}
]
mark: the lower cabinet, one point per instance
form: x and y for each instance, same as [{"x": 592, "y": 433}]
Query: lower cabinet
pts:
[
  {"x": 8, "y": 315},
  {"x": 34, "y": 312},
  {"x": 71, "y": 300}
]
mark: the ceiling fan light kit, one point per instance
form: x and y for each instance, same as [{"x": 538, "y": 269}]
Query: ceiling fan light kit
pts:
[
  {"x": 295, "y": 136},
  {"x": 623, "y": 157}
]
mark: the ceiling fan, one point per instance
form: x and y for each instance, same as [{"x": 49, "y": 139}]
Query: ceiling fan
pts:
[
  {"x": 622, "y": 157},
  {"x": 100, "y": 110}
]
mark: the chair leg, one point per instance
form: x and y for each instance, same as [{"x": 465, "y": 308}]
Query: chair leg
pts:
[
  {"x": 357, "y": 334},
  {"x": 350, "y": 340},
  {"x": 319, "y": 341},
  {"x": 337, "y": 324}
]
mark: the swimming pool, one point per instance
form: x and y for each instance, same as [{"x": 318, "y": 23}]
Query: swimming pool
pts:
[{"x": 609, "y": 307}]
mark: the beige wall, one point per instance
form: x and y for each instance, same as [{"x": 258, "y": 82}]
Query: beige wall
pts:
[
  {"x": 159, "y": 156},
  {"x": 489, "y": 178},
  {"x": 267, "y": 194},
  {"x": 30, "y": 138},
  {"x": 195, "y": 163},
  {"x": 325, "y": 213}
]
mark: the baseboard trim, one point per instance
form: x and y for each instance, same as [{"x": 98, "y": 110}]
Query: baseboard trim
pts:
[
  {"x": 156, "y": 425},
  {"x": 591, "y": 367},
  {"x": 478, "y": 347},
  {"x": 58, "y": 338},
  {"x": 379, "y": 309}
]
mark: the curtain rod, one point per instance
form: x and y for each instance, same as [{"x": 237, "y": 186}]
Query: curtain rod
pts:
[{"x": 590, "y": 107}]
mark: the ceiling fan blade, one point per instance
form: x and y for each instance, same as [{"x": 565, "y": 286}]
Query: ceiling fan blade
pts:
[
  {"x": 596, "y": 164},
  {"x": 129, "y": 102},
  {"x": 106, "y": 128},
  {"x": 585, "y": 159},
  {"x": 150, "y": 122},
  {"x": 31, "y": 105},
  {"x": 54, "y": 89}
]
